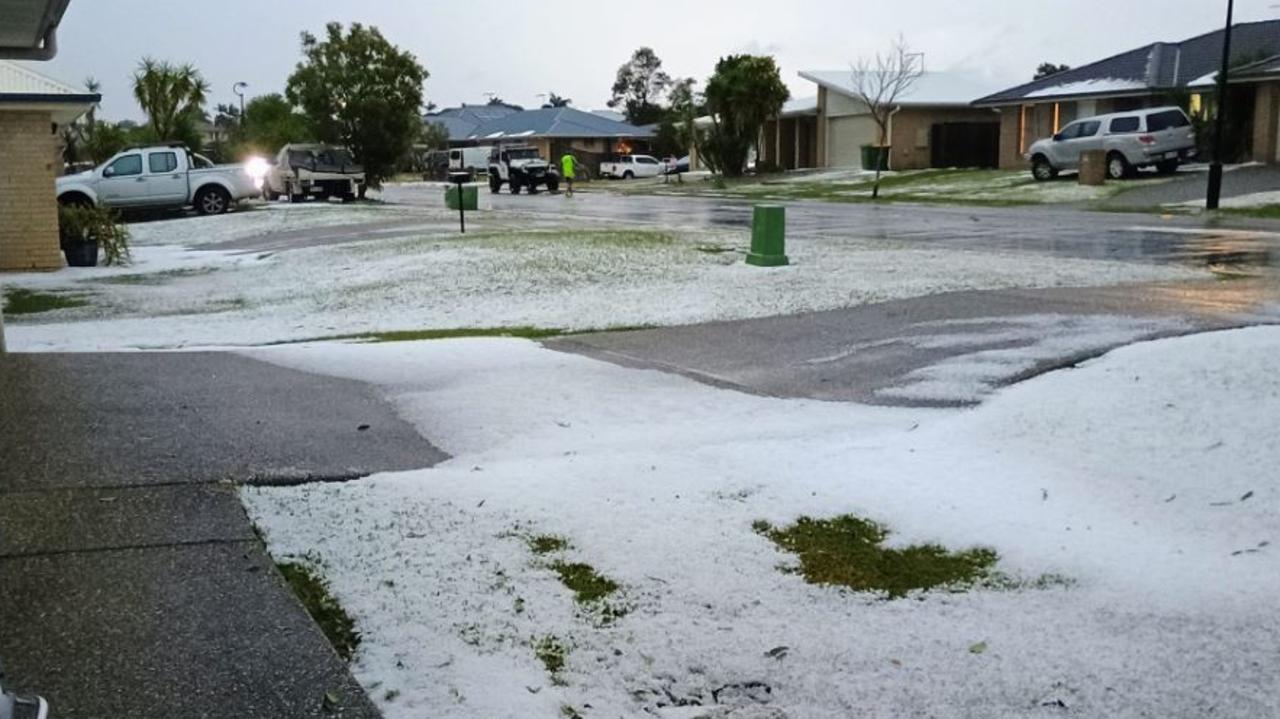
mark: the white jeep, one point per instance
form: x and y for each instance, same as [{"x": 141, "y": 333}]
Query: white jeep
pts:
[{"x": 519, "y": 167}]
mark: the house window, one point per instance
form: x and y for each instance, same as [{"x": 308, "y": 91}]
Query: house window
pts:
[{"x": 1196, "y": 104}]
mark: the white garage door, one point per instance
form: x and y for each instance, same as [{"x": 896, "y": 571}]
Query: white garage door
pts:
[{"x": 845, "y": 138}]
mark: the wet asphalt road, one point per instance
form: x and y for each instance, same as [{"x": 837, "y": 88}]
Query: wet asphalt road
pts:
[
  {"x": 895, "y": 342},
  {"x": 1048, "y": 231}
]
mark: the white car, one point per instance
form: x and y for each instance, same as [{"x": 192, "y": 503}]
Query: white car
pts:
[
  {"x": 1161, "y": 137},
  {"x": 627, "y": 167},
  {"x": 163, "y": 177}
]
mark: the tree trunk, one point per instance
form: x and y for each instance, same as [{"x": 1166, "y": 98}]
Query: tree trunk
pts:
[{"x": 882, "y": 135}]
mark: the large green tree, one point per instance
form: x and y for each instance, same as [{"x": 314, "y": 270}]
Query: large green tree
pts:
[
  {"x": 270, "y": 123},
  {"x": 172, "y": 96},
  {"x": 744, "y": 92},
  {"x": 359, "y": 90},
  {"x": 639, "y": 86}
]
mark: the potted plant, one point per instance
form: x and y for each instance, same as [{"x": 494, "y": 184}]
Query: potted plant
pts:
[{"x": 84, "y": 229}]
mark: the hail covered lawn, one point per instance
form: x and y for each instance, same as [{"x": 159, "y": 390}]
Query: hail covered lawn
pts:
[
  {"x": 1133, "y": 504},
  {"x": 230, "y": 280}
]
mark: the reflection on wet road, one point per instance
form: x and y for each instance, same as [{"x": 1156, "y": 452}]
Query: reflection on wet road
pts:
[{"x": 1226, "y": 245}]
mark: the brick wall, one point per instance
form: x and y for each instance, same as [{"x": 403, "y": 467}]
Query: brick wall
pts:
[
  {"x": 28, "y": 207},
  {"x": 912, "y": 128},
  {"x": 1266, "y": 123},
  {"x": 1010, "y": 137}
]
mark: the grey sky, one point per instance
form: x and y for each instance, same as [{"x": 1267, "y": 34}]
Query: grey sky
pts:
[{"x": 519, "y": 49}]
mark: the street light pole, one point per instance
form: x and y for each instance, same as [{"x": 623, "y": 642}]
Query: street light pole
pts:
[
  {"x": 239, "y": 89},
  {"x": 1215, "y": 169}
]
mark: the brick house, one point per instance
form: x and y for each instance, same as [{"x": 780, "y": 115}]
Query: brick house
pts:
[
  {"x": 1162, "y": 73},
  {"x": 933, "y": 125},
  {"x": 557, "y": 130},
  {"x": 32, "y": 107}
]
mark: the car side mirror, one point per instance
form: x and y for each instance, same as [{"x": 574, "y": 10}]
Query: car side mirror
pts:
[
  {"x": 108, "y": 172},
  {"x": 1057, "y": 137}
]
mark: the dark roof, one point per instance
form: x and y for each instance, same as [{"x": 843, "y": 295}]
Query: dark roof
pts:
[
  {"x": 1151, "y": 68},
  {"x": 462, "y": 121},
  {"x": 555, "y": 122}
]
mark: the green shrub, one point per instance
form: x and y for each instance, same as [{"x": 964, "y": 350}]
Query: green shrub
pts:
[{"x": 86, "y": 223}]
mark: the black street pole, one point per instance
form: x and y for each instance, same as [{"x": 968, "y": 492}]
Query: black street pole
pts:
[
  {"x": 462, "y": 211},
  {"x": 1215, "y": 169}
]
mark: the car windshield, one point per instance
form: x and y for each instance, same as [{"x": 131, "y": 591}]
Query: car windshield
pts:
[{"x": 524, "y": 153}]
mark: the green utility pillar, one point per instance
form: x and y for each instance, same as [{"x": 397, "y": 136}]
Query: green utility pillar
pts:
[
  {"x": 768, "y": 236},
  {"x": 470, "y": 198}
]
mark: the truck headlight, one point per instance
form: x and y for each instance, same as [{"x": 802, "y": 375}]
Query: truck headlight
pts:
[{"x": 257, "y": 168}]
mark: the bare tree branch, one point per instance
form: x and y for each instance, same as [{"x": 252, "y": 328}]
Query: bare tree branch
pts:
[{"x": 880, "y": 82}]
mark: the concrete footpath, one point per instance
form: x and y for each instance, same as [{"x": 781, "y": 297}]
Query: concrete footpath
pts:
[
  {"x": 131, "y": 583},
  {"x": 870, "y": 353}
]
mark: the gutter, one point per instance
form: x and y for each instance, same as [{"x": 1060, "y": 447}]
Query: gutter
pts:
[{"x": 48, "y": 47}]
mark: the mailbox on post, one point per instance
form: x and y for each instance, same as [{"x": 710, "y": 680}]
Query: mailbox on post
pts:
[{"x": 461, "y": 197}]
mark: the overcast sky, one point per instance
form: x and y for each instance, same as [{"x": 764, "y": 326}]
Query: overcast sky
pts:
[{"x": 574, "y": 47}]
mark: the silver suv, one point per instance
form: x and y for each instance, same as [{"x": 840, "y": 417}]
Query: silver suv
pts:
[{"x": 1161, "y": 137}]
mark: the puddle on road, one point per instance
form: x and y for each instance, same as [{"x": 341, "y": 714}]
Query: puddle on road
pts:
[{"x": 1227, "y": 253}]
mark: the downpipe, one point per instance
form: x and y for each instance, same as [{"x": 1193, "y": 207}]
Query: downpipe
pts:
[{"x": 49, "y": 43}]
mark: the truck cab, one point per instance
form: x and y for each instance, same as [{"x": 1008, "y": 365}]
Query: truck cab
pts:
[{"x": 160, "y": 177}]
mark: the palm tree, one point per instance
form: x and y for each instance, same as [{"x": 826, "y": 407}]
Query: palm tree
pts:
[
  {"x": 92, "y": 86},
  {"x": 169, "y": 95}
]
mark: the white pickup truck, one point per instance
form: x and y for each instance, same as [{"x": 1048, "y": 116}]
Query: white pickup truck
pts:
[
  {"x": 629, "y": 166},
  {"x": 163, "y": 177}
]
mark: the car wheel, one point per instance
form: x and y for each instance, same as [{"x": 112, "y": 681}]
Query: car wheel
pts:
[
  {"x": 495, "y": 183},
  {"x": 515, "y": 185},
  {"x": 553, "y": 185},
  {"x": 1041, "y": 170},
  {"x": 1168, "y": 167},
  {"x": 1117, "y": 166},
  {"x": 628, "y": 175},
  {"x": 75, "y": 200},
  {"x": 213, "y": 201}
]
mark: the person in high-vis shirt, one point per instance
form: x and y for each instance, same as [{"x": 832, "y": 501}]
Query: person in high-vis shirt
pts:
[{"x": 568, "y": 171}]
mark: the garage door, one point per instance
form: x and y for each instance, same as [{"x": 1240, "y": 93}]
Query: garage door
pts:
[{"x": 845, "y": 138}]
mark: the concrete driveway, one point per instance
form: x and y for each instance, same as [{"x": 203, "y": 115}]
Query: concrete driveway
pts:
[{"x": 131, "y": 583}]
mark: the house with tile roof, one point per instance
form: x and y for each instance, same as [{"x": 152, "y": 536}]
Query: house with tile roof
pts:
[
  {"x": 934, "y": 125},
  {"x": 557, "y": 130},
  {"x": 1161, "y": 73}
]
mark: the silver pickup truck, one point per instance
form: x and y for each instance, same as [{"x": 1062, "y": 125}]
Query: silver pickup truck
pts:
[
  {"x": 163, "y": 177},
  {"x": 1160, "y": 137}
]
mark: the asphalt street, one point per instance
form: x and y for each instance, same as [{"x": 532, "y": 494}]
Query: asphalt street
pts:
[
  {"x": 131, "y": 582},
  {"x": 864, "y": 353},
  {"x": 1060, "y": 231}
]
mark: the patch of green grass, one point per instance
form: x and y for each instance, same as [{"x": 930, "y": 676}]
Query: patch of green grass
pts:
[
  {"x": 1271, "y": 212},
  {"x": 584, "y": 581},
  {"x": 18, "y": 301},
  {"x": 547, "y": 544},
  {"x": 156, "y": 278},
  {"x": 552, "y": 653},
  {"x": 847, "y": 551},
  {"x": 313, "y": 591}
]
